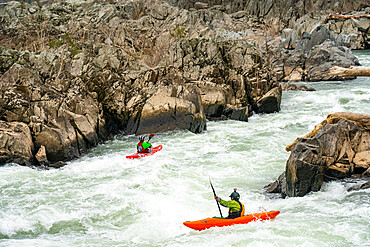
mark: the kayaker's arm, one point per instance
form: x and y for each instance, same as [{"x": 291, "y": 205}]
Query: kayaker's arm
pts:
[
  {"x": 233, "y": 205},
  {"x": 224, "y": 203}
]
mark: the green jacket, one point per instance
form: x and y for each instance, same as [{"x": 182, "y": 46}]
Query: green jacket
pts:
[
  {"x": 233, "y": 205},
  {"x": 146, "y": 145}
]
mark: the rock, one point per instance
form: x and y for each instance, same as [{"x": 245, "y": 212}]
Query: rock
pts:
[
  {"x": 240, "y": 114},
  {"x": 172, "y": 108},
  {"x": 200, "y": 5},
  {"x": 294, "y": 76},
  {"x": 41, "y": 156},
  {"x": 214, "y": 98},
  {"x": 362, "y": 160},
  {"x": 317, "y": 37},
  {"x": 63, "y": 118},
  {"x": 279, "y": 186},
  {"x": 289, "y": 86},
  {"x": 366, "y": 173},
  {"x": 339, "y": 171},
  {"x": 58, "y": 164},
  {"x": 16, "y": 144},
  {"x": 325, "y": 56},
  {"x": 360, "y": 186},
  {"x": 270, "y": 102},
  {"x": 328, "y": 153}
]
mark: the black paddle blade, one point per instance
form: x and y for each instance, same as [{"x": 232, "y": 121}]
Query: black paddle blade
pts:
[{"x": 150, "y": 136}]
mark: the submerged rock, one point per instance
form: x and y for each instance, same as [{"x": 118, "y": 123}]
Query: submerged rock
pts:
[{"x": 362, "y": 186}]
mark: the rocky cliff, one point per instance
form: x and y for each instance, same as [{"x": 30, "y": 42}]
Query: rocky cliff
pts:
[{"x": 77, "y": 72}]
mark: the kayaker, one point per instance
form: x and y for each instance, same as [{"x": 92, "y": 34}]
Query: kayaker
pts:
[
  {"x": 236, "y": 208},
  {"x": 144, "y": 147}
]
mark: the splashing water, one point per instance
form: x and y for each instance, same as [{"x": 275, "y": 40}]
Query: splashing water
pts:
[{"x": 104, "y": 199}]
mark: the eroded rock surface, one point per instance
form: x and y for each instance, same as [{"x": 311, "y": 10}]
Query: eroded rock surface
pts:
[
  {"x": 78, "y": 72},
  {"x": 337, "y": 148}
]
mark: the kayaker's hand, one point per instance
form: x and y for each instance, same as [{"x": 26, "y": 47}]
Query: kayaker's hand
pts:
[{"x": 216, "y": 198}]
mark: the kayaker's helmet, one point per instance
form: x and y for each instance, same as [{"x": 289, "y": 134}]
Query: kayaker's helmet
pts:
[
  {"x": 235, "y": 195},
  {"x": 141, "y": 138}
]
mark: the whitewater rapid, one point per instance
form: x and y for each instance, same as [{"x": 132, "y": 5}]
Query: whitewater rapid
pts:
[{"x": 103, "y": 199}]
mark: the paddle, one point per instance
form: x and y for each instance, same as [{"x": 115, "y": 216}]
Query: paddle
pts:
[
  {"x": 150, "y": 137},
  {"x": 214, "y": 193}
]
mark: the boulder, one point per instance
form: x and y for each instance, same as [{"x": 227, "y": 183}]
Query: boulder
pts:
[
  {"x": 279, "y": 186},
  {"x": 215, "y": 97},
  {"x": 170, "y": 108},
  {"x": 41, "y": 156},
  {"x": 328, "y": 153},
  {"x": 240, "y": 114},
  {"x": 16, "y": 143},
  {"x": 325, "y": 56},
  {"x": 270, "y": 102},
  {"x": 362, "y": 160},
  {"x": 362, "y": 186}
]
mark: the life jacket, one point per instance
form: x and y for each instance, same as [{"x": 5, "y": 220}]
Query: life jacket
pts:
[
  {"x": 141, "y": 149},
  {"x": 233, "y": 215}
]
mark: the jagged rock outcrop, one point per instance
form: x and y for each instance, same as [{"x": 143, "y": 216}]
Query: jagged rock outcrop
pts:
[
  {"x": 15, "y": 143},
  {"x": 336, "y": 149},
  {"x": 97, "y": 68},
  {"x": 314, "y": 56},
  {"x": 226, "y": 72},
  {"x": 61, "y": 115},
  {"x": 79, "y": 72},
  {"x": 352, "y": 32}
]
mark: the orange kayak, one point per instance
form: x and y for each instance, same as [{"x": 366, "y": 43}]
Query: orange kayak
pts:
[{"x": 215, "y": 221}]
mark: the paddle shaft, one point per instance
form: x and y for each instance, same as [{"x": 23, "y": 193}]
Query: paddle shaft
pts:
[
  {"x": 214, "y": 193},
  {"x": 150, "y": 137}
]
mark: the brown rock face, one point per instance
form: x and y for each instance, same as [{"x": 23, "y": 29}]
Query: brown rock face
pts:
[
  {"x": 16, "y": 143},
  {"x": 62, "y": 117},
  {"x": 41, "y": 156},
  {"x": 77, "y": 73},
  {"x": 339, "y": 149},
  {"x": 173, "y": 108}
]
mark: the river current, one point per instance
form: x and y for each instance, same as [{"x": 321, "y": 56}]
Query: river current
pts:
[{"x": 104, "y": 199}]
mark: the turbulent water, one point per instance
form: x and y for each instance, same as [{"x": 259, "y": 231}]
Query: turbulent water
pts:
[{"x": 104, "y": 199}]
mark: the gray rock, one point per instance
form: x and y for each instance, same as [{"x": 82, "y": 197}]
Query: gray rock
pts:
[
  {"x": 270, "y": 102},
  {"x": 327, "y": 155},
  {"x": 362, "y": 186},
  {"x": 279, "y": 186},
  {"x": 323, "y": 57},
  {"x": 240, "y": 114},
  {"x": 15, "y": 143}
]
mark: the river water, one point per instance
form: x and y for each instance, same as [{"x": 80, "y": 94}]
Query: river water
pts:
[{"x": 103, "y": 199}]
